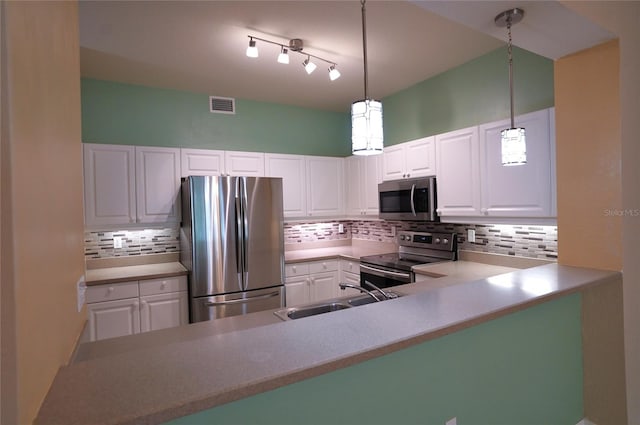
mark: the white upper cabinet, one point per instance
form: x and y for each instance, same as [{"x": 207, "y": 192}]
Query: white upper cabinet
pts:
[
  {"x": 520, "y": 190},
  {"x": 472, "y": 182},
  {"x": 109, "y": 184},
  {"x": 324, "y": 186},
  {"x": 201, "y": 162},
  {"x": 294, "y": 187},
  {"x": 158, "y": 184},
  {"x": 410, "y": 159},
  {"x": 362, "y": 175},
  {"x": 244, "y": 163},
  {"x": 458, "y": 176}
]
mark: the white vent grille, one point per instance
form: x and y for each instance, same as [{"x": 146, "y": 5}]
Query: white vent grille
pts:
[{"x": 222, "y": 105}]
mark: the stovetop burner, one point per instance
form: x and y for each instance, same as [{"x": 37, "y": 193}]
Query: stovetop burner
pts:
[{"x": 398, "y": 261}]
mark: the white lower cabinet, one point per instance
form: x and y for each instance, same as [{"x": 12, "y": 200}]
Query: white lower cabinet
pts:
[
  {"x": 350, "y": 273},
  {"x": 311, "y": 282},
  {"x": 138, "y": 306}
]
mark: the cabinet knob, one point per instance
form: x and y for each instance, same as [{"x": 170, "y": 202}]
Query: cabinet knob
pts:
[
  {"x": 408, "y": 175},
  {"x": 483, "y": 211},
  {"x": 294, "y": 269},
  {"x": 111, "y": 289},
  {"x": 324, "y": 265},
  {"x": 163, "y": 285}
]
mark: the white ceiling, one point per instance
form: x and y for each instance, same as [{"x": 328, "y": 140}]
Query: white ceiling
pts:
[{"x": 200, "y": 46}]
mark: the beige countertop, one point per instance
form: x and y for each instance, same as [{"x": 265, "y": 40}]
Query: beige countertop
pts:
[
  {"x": 107, "y": 275},
  {"x": 157, "y": 383},
  {"x": 347, "y": 252}
]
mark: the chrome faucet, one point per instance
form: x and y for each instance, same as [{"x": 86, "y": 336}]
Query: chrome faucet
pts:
[
  {"x": 344, "y": 286},
  {"x": 387, "y": 295}
]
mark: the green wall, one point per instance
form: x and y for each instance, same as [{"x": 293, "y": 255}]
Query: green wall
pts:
[
  {"x": 473, "y": 93},
  {"x": 128, "y": 114},
  {"x": 524, "y": 368}
]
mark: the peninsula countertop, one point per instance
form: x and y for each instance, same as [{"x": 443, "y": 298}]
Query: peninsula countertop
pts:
[{"x": 159, "y": 383}]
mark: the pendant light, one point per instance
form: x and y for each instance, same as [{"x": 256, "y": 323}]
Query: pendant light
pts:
[
  {"x": 513, "y": 144},
  {"x": 366, "y": 114}
]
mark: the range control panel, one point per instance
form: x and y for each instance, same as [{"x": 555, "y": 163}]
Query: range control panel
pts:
[{"x": 441, "y": 241}]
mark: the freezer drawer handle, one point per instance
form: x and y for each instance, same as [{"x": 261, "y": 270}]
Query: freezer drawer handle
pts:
[{"x": 243, "y": 300}]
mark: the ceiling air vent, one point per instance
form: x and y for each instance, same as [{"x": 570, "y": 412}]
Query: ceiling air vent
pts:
[{"x": 222, "y": 105}]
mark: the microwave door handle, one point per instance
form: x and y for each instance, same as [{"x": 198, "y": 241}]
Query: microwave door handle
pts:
[
  {"x": 432, "y": 200},
  {"x": 413, "y": 202}
]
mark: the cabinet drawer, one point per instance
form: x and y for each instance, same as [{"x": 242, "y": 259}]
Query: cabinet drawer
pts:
[
  {"x": 296, "y": 269},
  {"x": 323, "y": 266},
  {"x": 117, "y": 291},
  {"x": 163, "y": 286},
  {"x": 350, "y": 266}
]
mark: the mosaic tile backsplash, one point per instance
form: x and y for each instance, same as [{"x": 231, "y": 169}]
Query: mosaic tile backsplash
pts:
[
  {"x": 134, "y": 242},
  {"x": 518, "y": 240}
]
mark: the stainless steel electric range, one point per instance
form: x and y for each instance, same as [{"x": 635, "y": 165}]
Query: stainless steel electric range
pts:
[{"x": 414, "y": 248}]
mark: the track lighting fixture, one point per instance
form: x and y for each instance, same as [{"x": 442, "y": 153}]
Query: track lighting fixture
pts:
[
  {"x": 513, "y": 143},
  {"x": 295, "y": 45}
]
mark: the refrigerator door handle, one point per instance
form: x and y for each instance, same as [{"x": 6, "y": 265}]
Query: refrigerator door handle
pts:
[
  {"x": 243, "y": 300},
  {"x": 240, "y": 237},
  {"x": 245, "y": 235}
]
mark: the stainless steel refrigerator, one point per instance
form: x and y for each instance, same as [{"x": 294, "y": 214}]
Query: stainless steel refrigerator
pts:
[{"x": 232, "y": 244}]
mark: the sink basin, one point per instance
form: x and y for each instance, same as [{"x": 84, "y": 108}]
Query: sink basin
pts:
[
  {"x": 292, "y": 313},
  {"x": 311, "y": 310}
]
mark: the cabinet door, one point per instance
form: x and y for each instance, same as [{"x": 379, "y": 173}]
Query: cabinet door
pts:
[
  {"x": 520, "y": 190},
  {"x": 370, "y": 176},
  {"x": 250, "y": 164},
  {"x": 458, "y": 171},
  {"x": 393, "y": 163},
  {"x": 420, "y": 157},
  {"x": 158, "y": 184},
  {"x": 163, "y": 311},
  {"x": 353, "y": 279},
  {"x": 294, "y": 188},
  {"x": 113, "y": 318},
  {"x": 201, "y": 162},
  {"x": 353, "y": 184},
  {"x": 324, "y": 286},
  {"x": 324, "y": 186},
  {"x": 109, "y": 184},
  {"x": 296, "y": 291}
]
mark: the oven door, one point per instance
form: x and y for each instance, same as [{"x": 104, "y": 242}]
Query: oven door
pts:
[{"x": 383, "y": 277}]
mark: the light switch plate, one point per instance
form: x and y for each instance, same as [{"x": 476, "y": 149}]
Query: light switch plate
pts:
[
  {"x": 117, "y": 242},
  {"x": 452, "y": 421},
  {"x": 471, "y": 235}
]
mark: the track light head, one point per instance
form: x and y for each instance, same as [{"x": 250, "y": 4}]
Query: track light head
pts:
[
  {"x": 334, "y": 74},
  {"x": 308, "y": 65},
  {"x": 252, "y": 50},
  {"x": 283, "y": 57}
]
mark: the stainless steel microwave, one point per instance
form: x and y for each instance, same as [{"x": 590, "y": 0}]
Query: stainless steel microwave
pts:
[{"x": 410, "y": 199}]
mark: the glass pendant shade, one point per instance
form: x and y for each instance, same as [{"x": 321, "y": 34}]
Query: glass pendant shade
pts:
[
  {"x": 334, "y": 74},
  {"x": 252, "y": 50},
  {"x": 283, "y": 57},
  {"x": 513, "y": 146},
  {"x": 309, "y": 66},
  {"x": 366, "y": 127}
]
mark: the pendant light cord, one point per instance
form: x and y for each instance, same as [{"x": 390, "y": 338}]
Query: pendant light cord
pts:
[
  {"x": 364, "y": 50},
  {"x": 510, "y": 71}
]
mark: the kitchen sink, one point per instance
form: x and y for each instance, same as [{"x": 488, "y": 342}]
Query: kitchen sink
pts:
[{"x": 292, "y": 313}]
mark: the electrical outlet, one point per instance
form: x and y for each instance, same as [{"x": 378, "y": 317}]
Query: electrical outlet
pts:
[
  {"x": 471, "y": 235},
  {"x": 82, "y": 288},
  {"x": 452, "y": 421},
  {"x": 393, "y": 231},
  {"x": 117, "y": 242},
  {"x": 340, "y": 228}
]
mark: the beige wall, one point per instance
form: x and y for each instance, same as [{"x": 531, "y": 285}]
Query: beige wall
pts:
[
  {"x": 623, "y": 19},
  {"x": 587, "y": 100},
  {"x": 42, "y": 223}
]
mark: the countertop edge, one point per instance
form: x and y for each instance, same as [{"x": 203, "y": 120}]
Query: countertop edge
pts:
[{"x": 575, "y": 279}]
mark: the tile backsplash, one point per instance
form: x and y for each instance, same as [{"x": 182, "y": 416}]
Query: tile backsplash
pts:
[
  {"x": 519, "y": 240},
  {"x": 99, "y": 244}
]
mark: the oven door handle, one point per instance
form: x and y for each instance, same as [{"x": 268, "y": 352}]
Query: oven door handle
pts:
[{"x": 384, "y": 273}]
